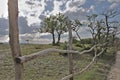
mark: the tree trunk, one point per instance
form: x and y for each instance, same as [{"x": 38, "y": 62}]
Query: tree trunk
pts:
[
  {"x": 78, "y": 35},
  {"x": 70, "y": 62},
  {"x": 14, "y": 37},
  {"x": 106, "y": 21},
  {"x": 59, "y": 36},
  {"x": 53, "y": 36}
]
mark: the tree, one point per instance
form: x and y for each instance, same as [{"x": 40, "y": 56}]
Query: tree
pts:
[
  {"x": 61, "y": 25},
  {"x": 111, "y": 25},
  {"x": 27, "y": 40},
  {"x": 93, "y": 26},
  {"x": 49, "y": 25},
  {"x": 76, "y": 24},
  {"x": 54, "y": 24},
  {"x": 105, "y": 29}
]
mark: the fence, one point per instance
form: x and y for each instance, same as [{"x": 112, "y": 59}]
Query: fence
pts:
[{"x": 19, "y": 59}]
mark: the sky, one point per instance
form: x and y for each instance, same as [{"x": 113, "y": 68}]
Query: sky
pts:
[{"x": 32, "y": 12}]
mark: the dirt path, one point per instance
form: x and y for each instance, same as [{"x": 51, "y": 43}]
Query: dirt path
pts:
[{"x": 115, "y": 70}]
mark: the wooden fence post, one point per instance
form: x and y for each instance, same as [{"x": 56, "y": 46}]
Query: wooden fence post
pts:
[
  {"x": 70, "y": 62},
  {"x": 14, "y": 37}
]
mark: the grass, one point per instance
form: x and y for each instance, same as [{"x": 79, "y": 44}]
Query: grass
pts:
[
  {"x": 53, "y": 66},
  {"x": 4, "y": 46}
]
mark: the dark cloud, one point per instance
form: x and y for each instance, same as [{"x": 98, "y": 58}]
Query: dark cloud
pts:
[
  {"x": 23, "y": 26},
  {"x": 3, "y": 26}
]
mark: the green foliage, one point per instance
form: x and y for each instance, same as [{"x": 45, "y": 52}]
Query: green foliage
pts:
[
  {"x": 48, "y": 25},
  {"x": 86, "y": 41},
  {"x": 54, "y": 24},
  {"x": 78, "y": 44},
  {"x": 61, "y": 25}
]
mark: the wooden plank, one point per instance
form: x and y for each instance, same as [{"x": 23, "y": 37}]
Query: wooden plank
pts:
[{"x": 14, "y": 37}]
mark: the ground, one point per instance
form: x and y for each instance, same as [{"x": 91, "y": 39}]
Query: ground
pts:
[
  {"x": 52, "y": 66},
  {"x": 115, "y": 70}
]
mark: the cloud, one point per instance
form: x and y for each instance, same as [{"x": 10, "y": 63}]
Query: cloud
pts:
[
  {"x": 100, "y": 0},
  {"x": 23, "y": 26},
  {"x": 53, "y": 7},
  {"x": 74, "y": 9},
  {"x": 75, "y": 13},
  {"x": 32, "y": 10},
  {"x": 3, "y": 8},
  {"x": 74, "y": 3},
  {"x": 48, "y": 4},
  {"x": 113, "y": 6},
  {"x": 56, "y": 8},
  {"x": 70, "y": 8},
  {"x": 91, "y": 9},
  {"x": 4, "y": 38},
  {"x": 36, "y": 38},
  {"x": 111, "y": 1},
  {"x": 3, "y": 26}
]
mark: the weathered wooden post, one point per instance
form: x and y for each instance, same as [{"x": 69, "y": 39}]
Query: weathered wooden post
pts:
[
  {"x": 70, "y": 62},
  {"x": 14, "y": 37}
]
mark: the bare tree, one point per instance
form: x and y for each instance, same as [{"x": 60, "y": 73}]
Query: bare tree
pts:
[
  {"x": 111, "y": 25},
  {"x": 76, "y": 24}
]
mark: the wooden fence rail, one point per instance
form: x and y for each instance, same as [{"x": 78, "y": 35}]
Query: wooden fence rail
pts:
[
  {"x": 84, "y": 69},
  {"x": 26, "y": 58}
]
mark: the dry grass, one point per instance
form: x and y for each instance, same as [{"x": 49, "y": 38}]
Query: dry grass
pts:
[{"x": 52, "y": 66}]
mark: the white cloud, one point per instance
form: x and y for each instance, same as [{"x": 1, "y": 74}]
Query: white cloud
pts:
[
  {"x": 4, "y": 38},
  {"x": 3, "y": 8},
  {"x": 74, "y": 9},
  {"x": 73, "y": 4},
  {"x": 113, "y": 1},
  {"x": 92, "y": 8},
  {"x": 36, "y": 38},
  {"x": 32, "y": 10},
  {"x": 56, "y": 8},
  {"x": 25, "y": 9},
  {"x": 113, "y": 6}
]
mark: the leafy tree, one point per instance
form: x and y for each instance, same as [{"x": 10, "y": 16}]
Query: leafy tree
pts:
[
  {"x": 61, "y": 25},
  {"x": 54, "y": 24},
  {"x": 49, "y": 25}
]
